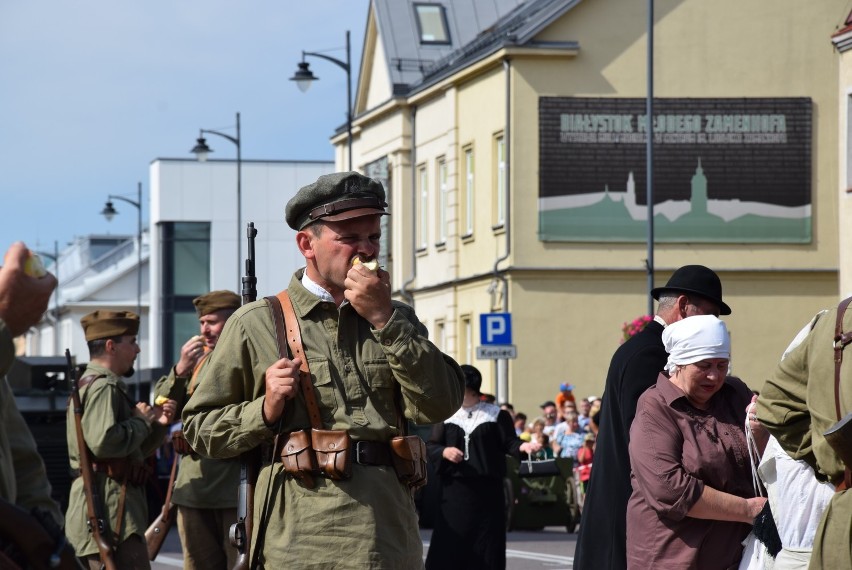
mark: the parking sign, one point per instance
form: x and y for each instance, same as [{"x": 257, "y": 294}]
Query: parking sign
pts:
[{"x": 495, "y": 328}]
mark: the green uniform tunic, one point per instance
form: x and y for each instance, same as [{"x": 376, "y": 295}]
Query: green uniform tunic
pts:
[
  {"x": 797, "y": 406},
  {"x": 111, "y": 432},
  {"x": 201, "y": 483},
  {"x": 23, "y": 479},
  {"x": 369, "y": 520}
]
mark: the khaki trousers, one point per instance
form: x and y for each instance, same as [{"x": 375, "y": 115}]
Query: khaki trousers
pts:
[
  {"x": 204, "y": 537},
  {"x": 132, "y": 554}
]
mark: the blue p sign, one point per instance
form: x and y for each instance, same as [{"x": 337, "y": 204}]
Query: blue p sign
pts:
[{"x": 496, "y": 328}]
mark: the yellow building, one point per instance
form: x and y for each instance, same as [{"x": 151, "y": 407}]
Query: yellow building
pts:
[{"x": 511, "y": 139}]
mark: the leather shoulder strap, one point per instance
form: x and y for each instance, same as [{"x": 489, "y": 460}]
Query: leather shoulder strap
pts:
[
  {"x": 841, "y": 339},
  {"x": 287, "y": 327},
  {"x": 84, "y": 382},
  {"x": 193, "y": 382}
]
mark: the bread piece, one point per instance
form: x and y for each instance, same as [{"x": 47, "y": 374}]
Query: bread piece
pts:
[
  {"x": 372, "y": 265},
  {"x": 34, "y": 267}
]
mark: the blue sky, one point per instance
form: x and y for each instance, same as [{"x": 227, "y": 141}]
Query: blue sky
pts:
[{"x": 94, "y": 90}]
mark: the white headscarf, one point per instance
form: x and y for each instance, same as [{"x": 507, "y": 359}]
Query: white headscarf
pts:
[{"x": 696, "y": 338}]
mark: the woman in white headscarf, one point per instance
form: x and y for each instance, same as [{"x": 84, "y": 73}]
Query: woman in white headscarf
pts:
[{"x": 693, "y": 501}]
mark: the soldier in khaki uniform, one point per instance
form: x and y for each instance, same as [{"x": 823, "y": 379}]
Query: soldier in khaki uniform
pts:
[
  {"x": 797, "y": 405},
  {"x": 23, "y": 300},
  {"x": 361, "y": 347},
  {"x": 120, "y": 434},
  {"x": 205, "y": 489}
]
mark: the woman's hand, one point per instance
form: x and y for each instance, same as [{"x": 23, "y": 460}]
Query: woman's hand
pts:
[
  {"x": 755, "y": 505},
  {"x": 761, "y": 436},
  {"x": 530, "y": 447},
  {"x": 452, "y": 454}
]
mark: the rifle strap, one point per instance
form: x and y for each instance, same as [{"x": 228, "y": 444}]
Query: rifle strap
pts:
[
  {"x": 168, "y": 503},
  {"x": 841, "y": 339},
  {"x": 286, "y": 322},
  {"x": 122, "y": 495}
]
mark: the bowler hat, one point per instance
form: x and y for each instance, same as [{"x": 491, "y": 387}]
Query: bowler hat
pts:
[
  {"x": 335, "y": 197},
  {"x": 695, "y": 279}
]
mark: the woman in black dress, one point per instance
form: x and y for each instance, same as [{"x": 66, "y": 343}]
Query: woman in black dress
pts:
[{"x": 469, "y": 451}]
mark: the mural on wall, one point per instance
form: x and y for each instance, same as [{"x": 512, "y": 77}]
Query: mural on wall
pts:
[{"x": 725, "y": 170}]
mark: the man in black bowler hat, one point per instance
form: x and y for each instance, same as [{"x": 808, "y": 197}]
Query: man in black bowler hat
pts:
[
  {"x": 691, "y": 290},
  {"x": 371, "y": 368}
]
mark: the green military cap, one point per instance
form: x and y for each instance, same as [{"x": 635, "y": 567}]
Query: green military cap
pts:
[
  {"x": 216, "y": 301},
  {"x": 107, "y": 324},
  {"x": 335, "y": 197}
]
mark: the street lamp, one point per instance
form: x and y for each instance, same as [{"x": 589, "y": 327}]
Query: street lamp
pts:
[
  {"x": 201, "y": 150},
  {"x": 109, "y": 213},
  {"x": 304, "y": 76},
  {"x": 54, "y": 257}
]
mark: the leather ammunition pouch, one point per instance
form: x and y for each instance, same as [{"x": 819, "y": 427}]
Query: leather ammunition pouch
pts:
[
  {"x": 122, "y": 470},
  {"x": 180, "y": 445},
  {"x": 409, "y": 460},
  {"x": 297, "y": 456},
  {"x": 333, "y": 448}
]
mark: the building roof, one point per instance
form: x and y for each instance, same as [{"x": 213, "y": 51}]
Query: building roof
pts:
[{"x": 476, "y": 29}]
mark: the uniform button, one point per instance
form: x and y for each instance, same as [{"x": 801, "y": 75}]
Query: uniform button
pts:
[
  {"x": 346, "y": 369},
  {"x": 387, "y": 342}
]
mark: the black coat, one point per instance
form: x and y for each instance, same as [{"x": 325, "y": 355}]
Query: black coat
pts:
[{"x": 602, "y": 542}]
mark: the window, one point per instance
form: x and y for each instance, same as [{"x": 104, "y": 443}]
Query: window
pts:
[
  {"x": 849, "y": 144},
  {"x": 443, "y": 202},
  {"x": 378, "y": 170},
  {"x": 186, "y": 274},
  {"x": 468, "y": 192},
  {"x": 441, "y": 335},
  {"x": 500, "y": 182},
  {"x": 466, "y": 341},
  {"x": 423, "y": 205},
  {"x": 432, "y": 24}
]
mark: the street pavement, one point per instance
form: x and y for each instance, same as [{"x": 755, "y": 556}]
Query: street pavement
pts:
[{"x": 548, "y": 549}]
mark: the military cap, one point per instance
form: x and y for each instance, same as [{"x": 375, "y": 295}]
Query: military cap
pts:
[
  {"x": 335, "y": 197},
  {"x": 107, "y": 324},
  {"x": 216, "y": 301}
]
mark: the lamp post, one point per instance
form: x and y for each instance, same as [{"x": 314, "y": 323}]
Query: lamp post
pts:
[
  {"x": 201, "y": 151},
  {"x": 109, "y": 212},
  {"x": 54, "y": 257},
  {"x": 649, "y": 157},
  {"x": 304, "y": 76}
]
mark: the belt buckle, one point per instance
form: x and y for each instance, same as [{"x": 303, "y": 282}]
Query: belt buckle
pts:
[{"x": 358, "y": 452}]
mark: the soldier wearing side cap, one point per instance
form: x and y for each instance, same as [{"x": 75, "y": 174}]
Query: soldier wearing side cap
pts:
[
  {"x": 120, "y": 434},
  {"x": 204, "y": 488},
  {"x": 361, "y": 347}
]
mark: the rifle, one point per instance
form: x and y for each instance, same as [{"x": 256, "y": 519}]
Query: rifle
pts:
[
  {"x": 33, "y": 541},
  {"x": 241, "y": 531},
  {"x": 94, "y": 517},
  {"x": 159, "y": 529},
  {"x": 250, "y": 279}
]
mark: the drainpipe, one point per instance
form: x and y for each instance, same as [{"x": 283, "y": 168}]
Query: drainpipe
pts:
[
  {"x": 406, "y": 294},
  {"x": 503, "y": 364}
]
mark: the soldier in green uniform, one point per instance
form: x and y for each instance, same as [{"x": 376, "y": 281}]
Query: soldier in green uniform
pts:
[
  {"x": 205, "y": 489},
  {"x": 797, "y": 406},
  {"x": 23, "y": 300},
  {"x": 362, "y": 348},
  {"x": 120, "y": 434}
]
